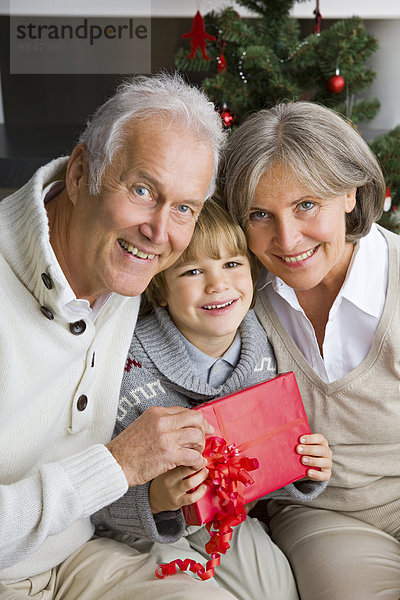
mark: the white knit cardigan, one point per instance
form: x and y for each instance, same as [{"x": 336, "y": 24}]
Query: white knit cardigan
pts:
[{"x": 54, "y": 468}]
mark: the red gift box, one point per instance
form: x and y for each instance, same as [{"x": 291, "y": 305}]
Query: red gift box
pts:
[{"x": 263, "y": 422}]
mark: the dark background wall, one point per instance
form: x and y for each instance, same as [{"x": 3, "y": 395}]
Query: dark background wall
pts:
[{"x": 44, "y": 114}]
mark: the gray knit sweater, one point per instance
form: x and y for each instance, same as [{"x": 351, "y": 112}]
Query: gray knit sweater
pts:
[{"x": 158, "y": 372}]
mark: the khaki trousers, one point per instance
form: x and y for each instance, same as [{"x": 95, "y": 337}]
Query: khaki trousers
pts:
[
  {"x": 254, "y": 568},
  {"x": 336, "y": 557},
  {"x": 104, "y": 569}
]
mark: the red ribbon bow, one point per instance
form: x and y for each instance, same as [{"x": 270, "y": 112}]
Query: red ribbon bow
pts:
[{"x": 228, "y": 475}]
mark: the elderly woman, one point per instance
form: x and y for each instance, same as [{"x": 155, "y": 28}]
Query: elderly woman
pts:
[{"x": 307, "y": 190}]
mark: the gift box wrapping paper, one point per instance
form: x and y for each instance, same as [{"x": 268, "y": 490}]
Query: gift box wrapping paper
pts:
[{"x": 264, "y": 422}]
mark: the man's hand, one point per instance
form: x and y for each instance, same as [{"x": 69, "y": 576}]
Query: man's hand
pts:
[{"x": 160, "y": 440}]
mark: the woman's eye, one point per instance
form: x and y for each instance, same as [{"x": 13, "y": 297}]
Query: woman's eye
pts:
[
  {"x": 258, "y": 215},
  {"x": 306, "y": 205}
]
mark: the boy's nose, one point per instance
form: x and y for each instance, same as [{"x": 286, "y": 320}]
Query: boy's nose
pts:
[{"x": 216, "y": 283}]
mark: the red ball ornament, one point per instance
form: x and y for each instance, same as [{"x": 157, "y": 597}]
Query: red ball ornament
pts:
[
  {"x": 335, "y": 83},
  {"x": 227, "y": 116}
]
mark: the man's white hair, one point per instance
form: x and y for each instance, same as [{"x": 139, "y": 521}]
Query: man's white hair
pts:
[{"x": 143, "y": 97}]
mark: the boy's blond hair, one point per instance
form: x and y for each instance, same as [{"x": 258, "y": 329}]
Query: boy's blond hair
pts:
[{"x": 215, "y": 228}]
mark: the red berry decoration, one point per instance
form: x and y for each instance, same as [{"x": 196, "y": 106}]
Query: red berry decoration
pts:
[
  {"x": 335, "y": 83},
  {"x": 221, "y": 63},
  {"x": 388, "y": 201},
  {"x": 221, "y": 60}
]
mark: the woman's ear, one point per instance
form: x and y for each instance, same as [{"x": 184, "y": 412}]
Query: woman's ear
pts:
[
  {"x": 77, "y": 172},
  {"x": 350, "y": 201}
]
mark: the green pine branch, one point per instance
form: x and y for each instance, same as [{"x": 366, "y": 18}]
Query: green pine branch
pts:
[{"x": 387, "y": 149}]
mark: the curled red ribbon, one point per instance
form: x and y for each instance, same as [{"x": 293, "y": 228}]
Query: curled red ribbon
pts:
[{"x": 228, "y": 475}]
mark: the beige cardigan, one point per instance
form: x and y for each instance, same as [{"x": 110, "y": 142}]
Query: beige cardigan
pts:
[{"x": 359, "y": 414}]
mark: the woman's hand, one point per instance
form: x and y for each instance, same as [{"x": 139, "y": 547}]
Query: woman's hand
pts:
[
  {"x": 177, "y": 488},
  {"x": 316, "y": 453}
]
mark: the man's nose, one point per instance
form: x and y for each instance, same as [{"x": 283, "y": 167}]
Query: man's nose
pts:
[{"x": 155, "y": 228}]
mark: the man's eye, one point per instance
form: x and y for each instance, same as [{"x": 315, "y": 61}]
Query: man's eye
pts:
[
  {"x": 183, "y": 214},
  {"x": 184, "y": 209},
  {"x": 141, "y": 191}
]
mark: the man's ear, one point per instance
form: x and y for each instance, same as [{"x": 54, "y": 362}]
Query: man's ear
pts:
[{"x": 77, "y": 172}]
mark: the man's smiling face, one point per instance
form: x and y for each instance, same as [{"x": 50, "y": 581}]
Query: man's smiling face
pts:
[{"x": 144, "y": 216}]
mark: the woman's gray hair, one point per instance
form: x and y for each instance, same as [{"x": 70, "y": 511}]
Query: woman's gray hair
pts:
[
  {"x": 143, "y": 97},
  {"x": 314, "y": 144}
]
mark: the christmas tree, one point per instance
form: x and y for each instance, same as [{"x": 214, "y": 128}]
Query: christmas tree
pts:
[
  {"x": 249, "y": 64},
  {"x": 253, "y": 63},
  {"x": 387, "y": 149}
]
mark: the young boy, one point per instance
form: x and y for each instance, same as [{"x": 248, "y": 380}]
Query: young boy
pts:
[{"x": 201, "y": 341}]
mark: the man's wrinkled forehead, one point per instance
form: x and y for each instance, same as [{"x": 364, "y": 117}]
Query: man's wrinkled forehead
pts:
[{"x": 153, "y": 148}]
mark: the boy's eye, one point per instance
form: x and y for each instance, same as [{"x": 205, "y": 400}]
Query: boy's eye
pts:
[
  {"x": 231, "y": 264},
  {"x": 191, "y": 273}
]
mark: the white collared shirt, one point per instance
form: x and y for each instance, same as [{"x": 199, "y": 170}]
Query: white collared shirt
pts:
[
  {"x": 211, "y": 370},
  {"x": 354, "y": 315},
  {"x": 74, "y": 308}
]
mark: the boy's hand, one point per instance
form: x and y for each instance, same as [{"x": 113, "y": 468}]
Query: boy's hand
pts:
[
  {"x": 316, "y": 453},
  {"x": 169, "y": 491}
]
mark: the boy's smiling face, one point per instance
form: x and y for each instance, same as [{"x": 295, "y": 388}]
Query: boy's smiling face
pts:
[{"x": 208, "y": 298}]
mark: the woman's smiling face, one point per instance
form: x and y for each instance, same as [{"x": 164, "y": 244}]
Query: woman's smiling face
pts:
[{"x": 296, "y": 235}]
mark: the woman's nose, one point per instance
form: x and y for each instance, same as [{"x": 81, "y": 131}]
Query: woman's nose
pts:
[{"x": 287, "y": 234}]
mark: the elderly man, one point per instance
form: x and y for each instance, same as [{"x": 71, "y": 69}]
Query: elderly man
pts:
[{"x": 78, "y": 244}]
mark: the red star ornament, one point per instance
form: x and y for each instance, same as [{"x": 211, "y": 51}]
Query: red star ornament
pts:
[{"x": 198, "y": 36}]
